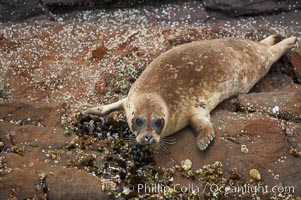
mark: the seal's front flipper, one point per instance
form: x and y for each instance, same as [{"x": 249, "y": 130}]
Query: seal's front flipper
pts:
[
  {"x": 203, "y": 129},
  {"x": 106, "y": 109}
]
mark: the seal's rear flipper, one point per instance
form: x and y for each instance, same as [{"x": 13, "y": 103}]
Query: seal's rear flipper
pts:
[
  {"x": 281, "y": 48},
  {"x": 271, "y": 40},
  {"x": 106, "y": 109}
]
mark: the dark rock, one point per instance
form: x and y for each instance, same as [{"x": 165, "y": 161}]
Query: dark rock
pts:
[
  {"x": 236, "y": 8},
  {"x": 263, "y": 86},
  {"x": 296, "y": 62},
  {"x": 15, "y": 10},
  {"x": 19, "y": 10},
  {"x": 279, "y": 80}
]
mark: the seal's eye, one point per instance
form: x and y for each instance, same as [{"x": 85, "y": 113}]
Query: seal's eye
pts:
[
  {"x": 158, "y": 124},
  {"x": 138, "y": 124}
]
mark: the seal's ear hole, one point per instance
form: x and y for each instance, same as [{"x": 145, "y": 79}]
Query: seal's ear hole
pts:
[
  {"x": 138, "y": 124},
  {"x": 158, "y": 124}
]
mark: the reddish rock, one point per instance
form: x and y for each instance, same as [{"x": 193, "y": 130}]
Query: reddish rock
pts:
[
  {"x": 74, "y": 184},
  {"x": 51, "y": 66},
  {"x": 268, "y": 149},
  {"x": 296, "y": 62},
  {"x": 263, "y": 86},
  {"x": 293, "y": 133},
  {"x": 100, "y": 86},
  {"x": 25, "y": 173},
  {"x": 39, "y": 149},
  {"x": 23, "y": 182},
  {"x": 283, "y": 104},
  {"x": 31, "y": 113},
  {"x": 22, "y": 174},
  {"x": 128, "y": 41},
  {"x": 5, "y": 43},
  {"x": 99, "y": 52}
]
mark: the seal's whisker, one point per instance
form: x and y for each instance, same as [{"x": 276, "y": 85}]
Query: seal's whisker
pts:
[
  {"x": 167, "y": 142},
  {"x": 130, "y": 139},
  {"x": 127, "y": 138},
  {"x": 170, "y": 138},
  {"x": 173, "y": 139},
  {"x": 162, "y": 147}
]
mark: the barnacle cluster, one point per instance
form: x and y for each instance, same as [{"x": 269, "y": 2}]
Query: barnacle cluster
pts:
[
  {"x": 295, "y": 152},
  {"x": 128, "y": 170}
]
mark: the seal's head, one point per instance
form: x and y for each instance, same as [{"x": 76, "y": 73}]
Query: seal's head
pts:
[{"x": 147, "y": 118}]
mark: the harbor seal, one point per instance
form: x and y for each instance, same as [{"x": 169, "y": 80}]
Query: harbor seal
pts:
[{"x": 183, "y": 85}]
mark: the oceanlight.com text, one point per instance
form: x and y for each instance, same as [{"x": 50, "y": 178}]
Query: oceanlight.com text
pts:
[{"x": 212, "y": 188}]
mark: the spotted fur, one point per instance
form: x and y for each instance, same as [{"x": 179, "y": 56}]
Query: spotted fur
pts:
[{"x": 185, "y": 83}]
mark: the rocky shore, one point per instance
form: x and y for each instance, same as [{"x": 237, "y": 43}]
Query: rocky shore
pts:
[{"x": 54, "y": 64}]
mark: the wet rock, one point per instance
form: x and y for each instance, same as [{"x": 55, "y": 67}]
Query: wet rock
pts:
[
  {"x": 296, "y": 62},
  {"x": 279, "y": 81},
  {"x": 263, "y": 136},
  {"x": 57, "y": 182},
  {"x": 293, "y": 133},
  {"x": 21, "y": 174},
  {"x": 262, "y": 86},
  {"x": 36, "y": 136},
  {"x": 281, "y": 104},
  {"x": 22, "y": 182},
  {"x": 236, "y": 8},
  {"x": 74, "y": 184},
  {"x": 31, "y": 113},
  {"x": 52, "y": 63}
]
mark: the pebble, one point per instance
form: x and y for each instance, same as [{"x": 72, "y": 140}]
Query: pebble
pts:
[{"x": 255, "y": 174}]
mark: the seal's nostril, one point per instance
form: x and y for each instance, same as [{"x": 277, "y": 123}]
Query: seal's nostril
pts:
[
  {"x": 148, "y": 138},
  {"x": 153, "y": 141}
]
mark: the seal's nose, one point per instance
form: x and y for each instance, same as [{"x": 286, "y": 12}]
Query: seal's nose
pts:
[{"x": 148, "y": 138}]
